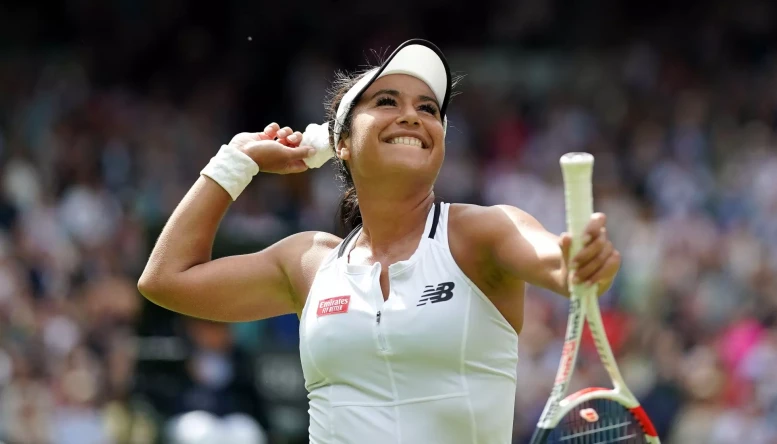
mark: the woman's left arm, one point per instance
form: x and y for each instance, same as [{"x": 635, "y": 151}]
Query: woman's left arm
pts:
[{"x": 522, "y": 247}]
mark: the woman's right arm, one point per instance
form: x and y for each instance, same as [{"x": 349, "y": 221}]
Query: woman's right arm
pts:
[{"x": 180, "y": 274}]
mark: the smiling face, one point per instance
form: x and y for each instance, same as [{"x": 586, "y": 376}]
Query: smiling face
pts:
[{"x": 396, "y": 130}]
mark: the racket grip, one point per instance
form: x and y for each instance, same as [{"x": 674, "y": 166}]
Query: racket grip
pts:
[{"x": 577, "y": 171}]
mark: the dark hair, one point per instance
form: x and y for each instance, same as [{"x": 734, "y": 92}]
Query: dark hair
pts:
[{"x": 348, "y": 214}]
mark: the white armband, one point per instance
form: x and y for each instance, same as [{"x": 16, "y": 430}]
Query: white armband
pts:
[{"x": 232, "y": 169}]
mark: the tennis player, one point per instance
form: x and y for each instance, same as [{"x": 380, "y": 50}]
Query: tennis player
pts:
[{"x": 408, "y": 326}]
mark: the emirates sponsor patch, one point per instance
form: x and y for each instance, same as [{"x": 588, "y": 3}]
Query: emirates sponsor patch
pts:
[{"x": 336, "y": 305}]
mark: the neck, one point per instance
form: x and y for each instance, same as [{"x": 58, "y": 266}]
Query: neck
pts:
[{"x": 388, "y": 220}]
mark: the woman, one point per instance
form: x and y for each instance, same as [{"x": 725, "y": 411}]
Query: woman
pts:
[{"x": 409, "y": 326}]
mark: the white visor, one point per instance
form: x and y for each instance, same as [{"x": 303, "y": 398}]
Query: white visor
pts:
[{"x": 417, "y": 58}]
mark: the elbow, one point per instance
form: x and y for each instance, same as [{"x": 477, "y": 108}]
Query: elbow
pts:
[
  {"x": 152, "y": 286},
  {"x": 163, "y": 290},
  {"x": 146, "y": 286}
]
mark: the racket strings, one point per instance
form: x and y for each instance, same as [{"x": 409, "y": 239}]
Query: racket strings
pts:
[{"x": 599, "y": 421}]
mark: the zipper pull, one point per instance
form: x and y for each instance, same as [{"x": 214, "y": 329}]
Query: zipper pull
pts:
[{"x": 378, "y": 318}]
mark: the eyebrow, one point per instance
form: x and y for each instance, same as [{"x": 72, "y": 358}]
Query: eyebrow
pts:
[{"x": 395, "y": 93}]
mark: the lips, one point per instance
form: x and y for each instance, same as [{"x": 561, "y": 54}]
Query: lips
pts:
[{"x": 405, "y": 140}]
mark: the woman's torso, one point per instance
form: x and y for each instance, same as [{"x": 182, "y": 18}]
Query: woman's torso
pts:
[{"x": 435, "y": 362}]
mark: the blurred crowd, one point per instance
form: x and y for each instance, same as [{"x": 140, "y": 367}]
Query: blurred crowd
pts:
[{"x": 685, "y": 139}]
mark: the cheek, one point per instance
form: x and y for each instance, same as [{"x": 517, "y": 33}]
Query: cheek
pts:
[
  {"x": 363, "y": 133},
  {"x": 436, "y": 132}
]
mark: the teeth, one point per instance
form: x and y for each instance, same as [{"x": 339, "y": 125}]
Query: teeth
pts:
[{"x": 407, "y": 141}]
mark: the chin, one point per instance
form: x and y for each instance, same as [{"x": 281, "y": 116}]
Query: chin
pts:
[
  {"x": 417, "y": 164},
  {"x": 408, "y": 160}
]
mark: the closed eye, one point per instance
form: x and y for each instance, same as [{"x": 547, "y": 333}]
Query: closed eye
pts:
[
  {"x": 390, "y": 101},
  {"x": 429, "y": 108},
  {"x": 386, "y": 101}
]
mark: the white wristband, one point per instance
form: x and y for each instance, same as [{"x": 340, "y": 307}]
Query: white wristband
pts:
[{"x": 232, "y": 169}]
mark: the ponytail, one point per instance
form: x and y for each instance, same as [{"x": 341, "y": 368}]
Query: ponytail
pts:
[{"x": 348, "y": 214}]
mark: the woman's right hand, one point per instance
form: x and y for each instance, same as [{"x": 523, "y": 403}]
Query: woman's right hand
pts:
[{"x": 275, "y": 150}]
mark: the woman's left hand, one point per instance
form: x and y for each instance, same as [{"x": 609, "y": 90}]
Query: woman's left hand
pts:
[{"x": 598, "y": 261}]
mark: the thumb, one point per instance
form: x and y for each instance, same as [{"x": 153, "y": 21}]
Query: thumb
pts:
[
  {"x": 297, "y": 166},
  {"x": 565, "y": 242},
  {"x": 299, "y": 153}
]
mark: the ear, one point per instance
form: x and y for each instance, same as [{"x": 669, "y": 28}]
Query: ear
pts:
[{"x": 343, "y": 148}]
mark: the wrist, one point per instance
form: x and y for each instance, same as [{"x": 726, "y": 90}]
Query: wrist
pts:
[
  {"x": 232, "y": 169},
  {"x": 245, "y": 153}
]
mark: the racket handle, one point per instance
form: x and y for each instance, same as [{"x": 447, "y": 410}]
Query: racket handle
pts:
[{"x": 577, "y": 171}]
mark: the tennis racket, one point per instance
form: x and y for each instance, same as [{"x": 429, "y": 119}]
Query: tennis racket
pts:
[{"x": 592, "y": 415}]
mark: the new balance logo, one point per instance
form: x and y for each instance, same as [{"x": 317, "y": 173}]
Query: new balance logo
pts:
[{"x": 442, "y": 293}]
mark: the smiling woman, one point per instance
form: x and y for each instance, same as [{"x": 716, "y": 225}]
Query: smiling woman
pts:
[
  {"x": 395, "y": 136},
  {"x": 388, "y": 88},
  {"x": 409, "y": 325}
]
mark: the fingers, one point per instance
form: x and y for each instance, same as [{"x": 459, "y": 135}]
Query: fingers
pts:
[
  {"x": 597, "y": 260},
  {"x": 285, "y": 136},
  {"x": 591, "y": 249},
  {"x": 283, "y": 133},
  {"x": 565, "y": 242},
  {"x": 590, "y": 267},
  {"x": 271, "y": 130},
  {"x": 294, "y": 139},
  {"x": 594, "y": 227},
  {"x": 288, "y": 137},
  {"x": 608, "y": 269},
  {"x": 299, "y": 153}
]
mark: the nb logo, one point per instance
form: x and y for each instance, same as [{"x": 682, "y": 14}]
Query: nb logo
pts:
[{"x": 442, "y": 293}]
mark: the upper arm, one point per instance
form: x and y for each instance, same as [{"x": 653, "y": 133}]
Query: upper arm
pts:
[
  {"x": 244, "y": 287},
  {"x": 520, "y": 246}
]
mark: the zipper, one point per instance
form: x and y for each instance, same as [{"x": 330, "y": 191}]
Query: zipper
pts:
[{"x": 382, "y": 345}]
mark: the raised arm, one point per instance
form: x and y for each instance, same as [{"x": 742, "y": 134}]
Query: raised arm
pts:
[
  {"x": 522, "y": 247},
  {"x": 180, "y": 274}
]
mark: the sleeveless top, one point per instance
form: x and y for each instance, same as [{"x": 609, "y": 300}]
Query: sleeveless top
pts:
[{"x": 435, "y": 363}]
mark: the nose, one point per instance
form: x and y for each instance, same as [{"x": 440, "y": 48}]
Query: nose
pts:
[{"x": 409, "y": 117}]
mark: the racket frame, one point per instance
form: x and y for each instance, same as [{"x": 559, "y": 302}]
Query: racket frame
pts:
[{"x": 577, "y": 170}]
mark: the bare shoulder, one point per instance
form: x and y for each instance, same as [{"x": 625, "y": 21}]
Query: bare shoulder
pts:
[
  {"x": 309, "y": 248},
  {"x": 474, "y": 231},
  {"x": 301, "y": 255},
  {"x": 307, "y": 240},
  {"x": 485, "y": 224},
  {"x": 475, "y": 234}
]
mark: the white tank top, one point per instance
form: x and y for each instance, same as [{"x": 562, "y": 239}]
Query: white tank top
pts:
[{"x": 435, "y": 363}]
